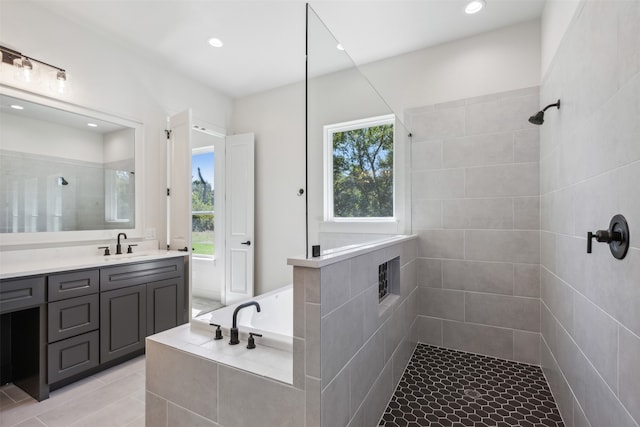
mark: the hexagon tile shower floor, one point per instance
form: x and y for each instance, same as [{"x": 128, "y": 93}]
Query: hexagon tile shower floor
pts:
[{"x": 443, "y": 387}]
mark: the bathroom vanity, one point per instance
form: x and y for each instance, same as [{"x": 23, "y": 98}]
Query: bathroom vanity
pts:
[{"x": 61, "y": 325}]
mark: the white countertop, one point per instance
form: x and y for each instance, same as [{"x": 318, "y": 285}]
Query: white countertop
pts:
[
  {"x": 340, "y": 254},
  {"x": 31, "y": 262}
]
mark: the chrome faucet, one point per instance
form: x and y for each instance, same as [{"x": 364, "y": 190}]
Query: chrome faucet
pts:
[
  {"x": 234, "y": 328},
  {"x": 119, "y": 246}
]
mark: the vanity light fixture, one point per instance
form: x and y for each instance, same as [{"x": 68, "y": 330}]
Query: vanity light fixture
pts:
[
  {"x": 25, "y": 64},
  {"x": 215, "y": 42},
  {"x": 474, "y": 6}
]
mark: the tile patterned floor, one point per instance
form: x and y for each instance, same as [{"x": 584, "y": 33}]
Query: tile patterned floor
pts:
[
  {"x": 111, "y": 398},
  {"x": 443, "y": 387}
]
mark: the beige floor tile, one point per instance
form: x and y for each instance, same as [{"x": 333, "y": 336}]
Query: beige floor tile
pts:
[
  {"x": 15, "y": 393},
  {"x": 30, "y": 408},
  {"x": 69, "y": 412},
  {"x": 6, "y": 401},
  {"x": 31, "y": 422},
  {"x": 119, "y": 413},
  {"x": 114, "y": 397},
  {"x": 120, "y": 371}
]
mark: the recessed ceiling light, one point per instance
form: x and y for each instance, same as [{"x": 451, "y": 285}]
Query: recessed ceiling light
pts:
[
  {"x": 339, "y": 47},
  {"x": 92, "y": 125},
  {"x": 474, "y": 6},
  {"x": 215, "y": 42},
  {"x": 17, "y": 107}
]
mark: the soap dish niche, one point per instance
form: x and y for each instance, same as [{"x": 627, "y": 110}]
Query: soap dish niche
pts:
[{"x": 388, "y": 279}]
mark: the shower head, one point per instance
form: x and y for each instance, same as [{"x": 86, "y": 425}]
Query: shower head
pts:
[{"x": 538, "y": 118}]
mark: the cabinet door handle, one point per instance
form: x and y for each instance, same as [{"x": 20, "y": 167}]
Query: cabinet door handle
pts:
[{"x": 248, "y": 243}]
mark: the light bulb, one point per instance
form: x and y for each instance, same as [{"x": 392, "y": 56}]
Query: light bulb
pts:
[
  {"x": 61, "y": 78},
  {"x": 474, "y": 6},
  {"x": 215, "y": 42}
]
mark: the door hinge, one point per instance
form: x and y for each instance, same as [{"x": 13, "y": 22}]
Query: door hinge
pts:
[
  {"x": 168, "y": 191},
  {"x": 168, "y": 132}
]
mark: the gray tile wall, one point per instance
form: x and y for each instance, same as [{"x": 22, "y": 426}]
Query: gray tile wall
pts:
[
  {"x": 356, "y": 348},
  {"x": 204, "y": 393},
  {"x": 590, "y": 170},
  {"x": 476, "y": 210}
]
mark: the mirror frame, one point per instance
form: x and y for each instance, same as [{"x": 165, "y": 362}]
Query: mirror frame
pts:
[{"x": 44, "y": 237}]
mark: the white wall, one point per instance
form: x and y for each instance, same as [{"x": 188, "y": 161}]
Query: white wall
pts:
[
  {"x": 106, "y": 76},
  {"x": 492, "y": 62},
  {"x": 277, "y": 120},
  {"x": 26, "y": 135},
  {"x": 556, "y": 17},
  {"x": 118, "y": 146}
]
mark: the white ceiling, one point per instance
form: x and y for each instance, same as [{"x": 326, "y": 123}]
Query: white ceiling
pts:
[{"x": 264, "y": 41}]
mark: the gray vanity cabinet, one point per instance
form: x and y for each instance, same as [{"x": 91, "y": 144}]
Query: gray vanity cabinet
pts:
[
  {"x": 137, "y": 300},
  {"x": 123, "y": 321},
  {"x": 165, "y": 303},
  {"x": 73, "y": 323},
  {"x": 57, "y": 328},
  {"x": 23, "y": 340}
]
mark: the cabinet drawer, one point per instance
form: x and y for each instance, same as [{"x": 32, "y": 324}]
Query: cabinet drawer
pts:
[
  {"x": 16, "y": 294},
  {"x": 144, "y": 272},
  {"x": 73, "y": 284},
  {"x": 73, "y": 316},
  {"x": 73, "y": 356}
]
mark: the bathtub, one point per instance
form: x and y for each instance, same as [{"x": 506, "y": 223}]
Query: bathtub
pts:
[{"x": 274, "y": 322}]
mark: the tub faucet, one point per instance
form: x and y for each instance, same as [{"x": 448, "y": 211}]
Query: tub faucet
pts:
[
  {"x": 234, "y": 328},
  {"x": 119, "y": 246}
]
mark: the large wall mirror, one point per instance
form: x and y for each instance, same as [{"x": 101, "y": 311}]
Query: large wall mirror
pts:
[{"x": 67, "y": 173}]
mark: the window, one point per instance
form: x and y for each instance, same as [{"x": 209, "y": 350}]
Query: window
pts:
[
  {"x": 359, "y": 170},
  {"x": 202, "y": 202},
  {"x": 119, "y": 196}
]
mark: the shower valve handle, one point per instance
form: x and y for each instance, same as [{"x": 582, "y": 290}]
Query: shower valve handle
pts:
[
  {"x": 606, "y": 236},
  {"x": 617, "y": 236}
]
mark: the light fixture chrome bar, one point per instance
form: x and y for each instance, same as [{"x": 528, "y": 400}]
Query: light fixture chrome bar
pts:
[{"x": 9, "y": 55}]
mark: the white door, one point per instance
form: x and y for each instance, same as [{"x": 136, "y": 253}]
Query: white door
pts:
[
  {"x": 179, "y": 191},
  {"x": 239, "y": 218},
  {"x": 179, "y": 185}
]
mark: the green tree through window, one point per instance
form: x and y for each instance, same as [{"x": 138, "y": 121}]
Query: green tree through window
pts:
[
  {"x": 202, "y": 204},
  {"x": 363, "y": 172}
]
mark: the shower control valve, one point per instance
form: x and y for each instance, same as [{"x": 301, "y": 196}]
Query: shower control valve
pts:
[{"x": 617, "y": 236}]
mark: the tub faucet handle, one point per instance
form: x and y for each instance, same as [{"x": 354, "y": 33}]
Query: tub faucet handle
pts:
[
  {"x": 218, "y": 331},
  {"x": 252, "y": 341},
  {"x": 106, "y": 250}
]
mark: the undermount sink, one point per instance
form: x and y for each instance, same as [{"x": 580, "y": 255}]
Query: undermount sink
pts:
[{"x": 124, "y": 257}]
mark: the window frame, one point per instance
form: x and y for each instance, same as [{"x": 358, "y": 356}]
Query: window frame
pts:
[
  {"x": 111, "y": 196},
  {"x": 328, "y": 131}
]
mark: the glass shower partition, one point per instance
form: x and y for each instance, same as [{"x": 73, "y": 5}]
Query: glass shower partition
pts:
[{"x": 357, "y": 151}]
